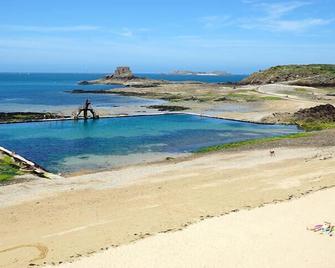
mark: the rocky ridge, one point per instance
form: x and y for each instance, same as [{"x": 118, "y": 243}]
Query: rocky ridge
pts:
[{"x": 317, "y": 75}]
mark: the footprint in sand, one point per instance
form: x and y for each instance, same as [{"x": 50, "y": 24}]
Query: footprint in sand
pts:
[{"x": 21, "y": 254}]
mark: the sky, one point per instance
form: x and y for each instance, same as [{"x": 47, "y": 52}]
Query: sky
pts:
[{"x": 239, "y": 36}]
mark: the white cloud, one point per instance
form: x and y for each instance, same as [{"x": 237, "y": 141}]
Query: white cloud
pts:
[
  {"x": 274, "y": 17},
  {"x": 49, "y": 29},
  {"x": 215, "y": 22},
  {"x": 277, "y": 10},
  {"x": 121, "y": 32},
  {"x": 126, "y": 32}
]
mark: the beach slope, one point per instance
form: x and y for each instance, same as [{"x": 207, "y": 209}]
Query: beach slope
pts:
[{"x": 272, "y": 236}]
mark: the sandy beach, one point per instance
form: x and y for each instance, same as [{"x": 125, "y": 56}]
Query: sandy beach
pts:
[
  {"x": 152, "y": 134},
  {"x": 57, "y": 221},
  {"x": 272, "y": 236},
  {"x": 211, "y": 203}
]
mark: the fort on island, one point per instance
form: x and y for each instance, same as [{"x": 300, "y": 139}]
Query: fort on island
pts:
[{"x": 122, "y": 72}]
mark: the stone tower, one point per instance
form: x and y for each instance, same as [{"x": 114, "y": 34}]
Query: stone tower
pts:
[{"x": 122, "y": 72}]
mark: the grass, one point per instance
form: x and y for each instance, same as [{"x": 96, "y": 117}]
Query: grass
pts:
[
  {"x": 311, "y": 68},
  {"x": 251, "y": 142},
  {"x": 8, "y": 169},
  {"x": 25, "y": 117},
  {"x": 249, "y": 97},
  {"x": 271, "y": 98},
  {"x": 315, "y": 125},
  {"x": 300, "y": 90}
]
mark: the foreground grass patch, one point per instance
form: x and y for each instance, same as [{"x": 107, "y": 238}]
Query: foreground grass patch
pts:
[
  {"x": 8, "y": 169},
  {"x": 251, "y": 142},
  {"x": 315, "y": 125}
]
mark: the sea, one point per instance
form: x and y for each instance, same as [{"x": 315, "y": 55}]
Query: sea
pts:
[
  {"x": 69, "y": 146},
  {"x": 41, "y": 92},
  {"x": 74, "y": 146}
]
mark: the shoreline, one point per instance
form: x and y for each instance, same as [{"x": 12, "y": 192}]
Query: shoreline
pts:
[
  {"x": 41, "y": 169},
  {"x": 96, "y": 211},
  {"x": 145, "y": 114}
]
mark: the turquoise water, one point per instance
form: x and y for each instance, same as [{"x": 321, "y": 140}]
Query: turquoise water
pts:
[
  {"x": 72, "y": 146},
  {"x": 23, "y": 92}
]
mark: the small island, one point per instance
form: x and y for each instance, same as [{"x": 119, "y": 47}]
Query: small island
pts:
[
  {"x": 212, "y": 73},
  {"x": 125, "y": 77}
]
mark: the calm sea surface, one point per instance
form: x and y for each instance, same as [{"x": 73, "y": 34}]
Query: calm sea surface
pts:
[
  {"x": 47, "y": 92},
  {"x": 73, "y": 146},
  {"x": 70, "y": 146}
]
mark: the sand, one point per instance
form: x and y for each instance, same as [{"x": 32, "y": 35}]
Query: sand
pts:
[
  {"x": 271, "y": 236},
  {"x": 53, "y": 221}
]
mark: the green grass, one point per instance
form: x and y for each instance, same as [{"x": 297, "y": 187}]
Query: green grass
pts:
[
  {"x": 271, "y": 98},
  {"x": 250, "y": 142},
  {"x": 8, "y": 169},
  {"x": 315, "y": 125},
  {"x": 311, "y": 68},
  {"x": 249, "y": 97},
  {"x": 300, "y": 90}
]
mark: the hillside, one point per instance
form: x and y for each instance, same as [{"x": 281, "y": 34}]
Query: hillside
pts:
[{"x": 303, "y": 75}]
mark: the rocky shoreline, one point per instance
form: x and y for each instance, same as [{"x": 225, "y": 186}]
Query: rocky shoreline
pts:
[
  {"x": 21, "y": 117},
  {"x": 313, "y": 75}
]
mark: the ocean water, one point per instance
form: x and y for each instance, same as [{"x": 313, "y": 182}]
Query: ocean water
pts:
[
  {"x": 73, "y": 146},
  {"x": 47, "y": 92},
  {"x": 44, "y": 92}
]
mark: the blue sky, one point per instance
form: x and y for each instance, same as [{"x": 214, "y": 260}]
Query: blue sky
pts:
[{"x": 239, "y": 36}]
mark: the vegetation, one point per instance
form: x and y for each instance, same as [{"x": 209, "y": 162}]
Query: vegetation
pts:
[
  {"x": 25, "y": 117},
  {"x": 251, "y": 142},
  {"x": 315, "y": 118},
  {"x": 170, "y": 108},
  {"x": 305, "y": 75},
  {"x": 315, "y": 125},
  {"x": 242, "y": 97},
  {"x": 8, "y": 169}
]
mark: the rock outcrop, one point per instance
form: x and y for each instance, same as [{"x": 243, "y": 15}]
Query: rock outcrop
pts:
[
  {"x": 122, "y": 73},
  {"x": 302, "y": 75},
  {"x": 125, "y": 77},
  {"x": 325, "y": 113},
  {"x": 321, "y": 113}
]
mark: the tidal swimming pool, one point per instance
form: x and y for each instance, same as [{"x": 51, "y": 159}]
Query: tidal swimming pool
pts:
[{"x": 75, "y": 146}]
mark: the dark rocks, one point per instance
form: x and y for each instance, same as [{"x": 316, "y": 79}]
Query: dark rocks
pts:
[
  {"x": 84, "y": 83},
  {"x": 169, "y": 108},
  {"x": 324, "y": 113},
  {"x": 14, "y": 117}
]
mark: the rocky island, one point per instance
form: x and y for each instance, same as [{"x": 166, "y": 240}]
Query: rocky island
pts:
[
  {"x": 213, "y": 73},
  {"x": 125, "y": 77}
]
